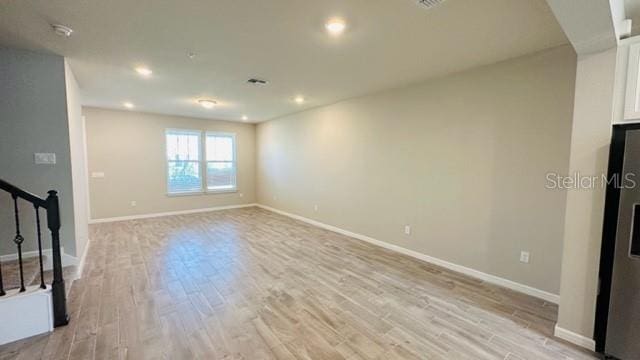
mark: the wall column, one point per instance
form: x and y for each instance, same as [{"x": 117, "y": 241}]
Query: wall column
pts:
[{"x": 590, "y": 138}]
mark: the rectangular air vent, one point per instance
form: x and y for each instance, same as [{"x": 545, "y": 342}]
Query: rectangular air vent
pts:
[
  {"x": 255, "y": 81},
  {"x": 430, "y": 4}
]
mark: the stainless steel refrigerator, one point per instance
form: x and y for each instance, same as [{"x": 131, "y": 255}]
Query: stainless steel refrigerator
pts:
[{"x": 623, "y": 324}]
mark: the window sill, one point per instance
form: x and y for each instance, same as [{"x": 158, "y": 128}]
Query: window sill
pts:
[
  {"x": 222, "y": 191},
  {"x": 208, "y": 192},
  {"x": 186, "y": 193}
]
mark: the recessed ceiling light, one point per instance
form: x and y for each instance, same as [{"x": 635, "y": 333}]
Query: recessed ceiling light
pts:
[
  {"x": 207, "y": 104},
  {"x": 299, "y": 99},
  {"x": 245, "y": 118},
  {"x": 335, "y": 26},
  {"x": 144, "y": 71},
  {"x": 128, "y": 105},
  {"x": 62, "y": 30}
]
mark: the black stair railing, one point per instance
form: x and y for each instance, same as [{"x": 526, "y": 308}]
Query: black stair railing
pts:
[{"x": 52, "y": 208}]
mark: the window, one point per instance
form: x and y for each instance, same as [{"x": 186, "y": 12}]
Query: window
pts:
[
  {"x": 221, "y": 162},
  {"x": 183, "y": 157},
  {"x": 186, "y": 161}
]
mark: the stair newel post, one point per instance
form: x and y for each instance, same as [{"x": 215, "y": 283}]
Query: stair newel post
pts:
[{"x": 58, "y": 291}]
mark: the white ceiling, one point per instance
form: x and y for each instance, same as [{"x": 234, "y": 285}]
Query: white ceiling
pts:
[
  {"x": 589, "y": 25},
  {"x": 388, "y": 43}
]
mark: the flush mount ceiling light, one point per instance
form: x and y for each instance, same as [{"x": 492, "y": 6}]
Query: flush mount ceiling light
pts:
[
  {"x": 245, "y": 118},
  {"x": 62, "y": 30},
  {"x": 144, "y": 71},
  {"x": 128, "y": 105},
  {"x": 207, "y": 104},
  {"x": 299, "y": 99},
  {"x": 335, "y": 26}
]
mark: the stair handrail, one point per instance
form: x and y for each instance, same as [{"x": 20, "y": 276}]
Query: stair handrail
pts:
[
  {"x": 14, "y": 190},
  {"x": 52, "y": 207}
]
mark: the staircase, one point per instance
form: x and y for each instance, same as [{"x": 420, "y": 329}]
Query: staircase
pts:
[
  {"x": 11, "y": 272},
  {"x": 28, "y": 306}
]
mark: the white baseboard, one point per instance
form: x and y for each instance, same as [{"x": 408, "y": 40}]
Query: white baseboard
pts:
[
  {"x": 31, "y": 254},
  {"x": 169, "y": 213},
  {"x": 541, "y": 294},
  {"x": 574, "y": 338},
  {"x": 67, "y": 260},
  {"x": 81, "y": 262}
]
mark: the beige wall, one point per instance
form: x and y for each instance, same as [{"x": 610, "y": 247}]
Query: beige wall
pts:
[
  {"x": 129, "y": 147},
  {"x": 462, "y": 159},
  {"x": 591, "y": 136}
]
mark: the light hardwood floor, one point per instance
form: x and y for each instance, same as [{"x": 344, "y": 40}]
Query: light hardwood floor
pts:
[{"x": 251, "y": 284}]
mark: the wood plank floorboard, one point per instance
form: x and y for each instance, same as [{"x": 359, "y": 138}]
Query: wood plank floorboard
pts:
[{"x": 251, "y": 284}]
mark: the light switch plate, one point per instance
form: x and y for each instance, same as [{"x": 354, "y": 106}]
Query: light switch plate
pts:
[{"x": 44, "y": 158}]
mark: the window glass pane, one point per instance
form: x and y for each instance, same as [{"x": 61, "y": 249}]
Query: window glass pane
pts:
[
  {"x": 183, "y": 146},
  {"x": 219, "y": 148},
  {"x": 184, "y": 176},
  {"x": 221, "y": 175}
]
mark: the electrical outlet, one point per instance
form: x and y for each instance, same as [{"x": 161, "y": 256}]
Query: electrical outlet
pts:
[
  {"x": 407, "y": 229},
  {"x": 134, "y": 203},
  {"x": 241, "y": 194},
  {"x": 524, "y": 257},
  {"x": 315, "y": 207},
  {"x": 97, "y": 174}
]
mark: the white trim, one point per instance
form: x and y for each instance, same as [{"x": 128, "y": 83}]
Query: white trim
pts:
[
  {"x": 185, "y": 193},
  {"x": 169, "y": 213},
  {"x": 25, "y": 255},
  {"x": 85, "y": 164},
  {"x": 29, "y": 313},
  {"x": 200, "y": 193},
  {"x": 574, "y": 338},
  {"x": 223, "y": 191},
  {"x": 541, "y": 294},
  {"x": 81, "y": 263},
  {"x": 67, "y": 260},
  {"x": 189, "y": 132},
  {"x": 234, "y": 161},
  {"x": 632, "y": 92}
]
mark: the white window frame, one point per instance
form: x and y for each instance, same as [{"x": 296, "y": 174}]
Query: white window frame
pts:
[
  {"x": 166, "y": 159},
  {"x": 202, "y": 161},
  {"x": 234, "y": 161}
]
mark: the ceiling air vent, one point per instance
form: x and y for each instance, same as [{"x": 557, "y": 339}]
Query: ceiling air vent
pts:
[
  {"x": 254, "y": 81},
  {"x": 430, "y": 4}
]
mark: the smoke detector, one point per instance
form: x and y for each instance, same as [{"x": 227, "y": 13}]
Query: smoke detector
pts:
[
  {"x": 62, "y": 30},
  {"x": 254, "y": 81},
  {"x": 430, "y": 4}
]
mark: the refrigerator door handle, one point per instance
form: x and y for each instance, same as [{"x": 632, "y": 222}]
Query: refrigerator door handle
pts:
[{"x": 634, "y": 241}]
